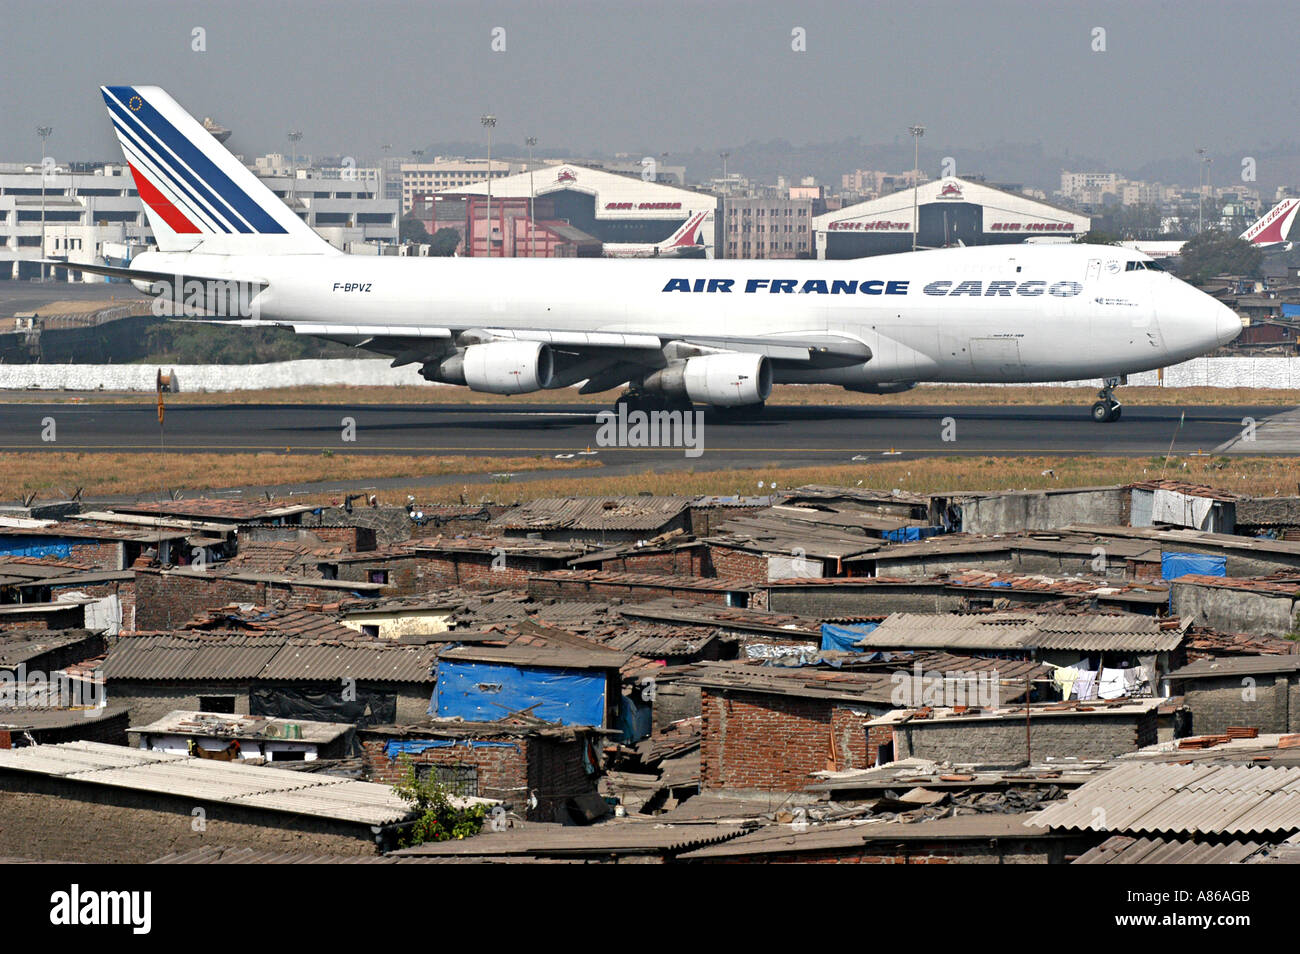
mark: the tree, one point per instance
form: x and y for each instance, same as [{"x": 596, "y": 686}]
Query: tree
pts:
[
  {"x": 1216, "y": 253},
  {"x": 445, "y": 242},
  {"x": 1097, "y": 238},
  {"x": 439, "y": 819},
  {"x": 413, "y": 230}
]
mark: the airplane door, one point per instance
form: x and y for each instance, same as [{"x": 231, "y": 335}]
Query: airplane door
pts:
[{"x": 1094, "y": 270}]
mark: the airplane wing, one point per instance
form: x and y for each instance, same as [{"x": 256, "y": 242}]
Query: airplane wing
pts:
[{"x": 142, "y": 275}]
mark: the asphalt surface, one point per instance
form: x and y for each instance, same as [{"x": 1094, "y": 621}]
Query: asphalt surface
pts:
[{"x": 790, "y": 435}]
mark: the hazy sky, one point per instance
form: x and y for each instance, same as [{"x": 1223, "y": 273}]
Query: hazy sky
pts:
[{"x": 665, "y": 76}]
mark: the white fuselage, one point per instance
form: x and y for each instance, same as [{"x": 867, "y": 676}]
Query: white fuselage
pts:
[{"x": 1006, "y": 313}]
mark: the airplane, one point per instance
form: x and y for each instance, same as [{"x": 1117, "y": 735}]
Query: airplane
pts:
[
  {"x": 686, "y": 241},
  {"x": 1269, "y": 231},
  {"x": 676, "y": 331}
]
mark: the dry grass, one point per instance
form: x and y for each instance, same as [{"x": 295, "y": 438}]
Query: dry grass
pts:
[
  {"x": 109, "y": 474},
  {"x": 1254, "y": 475},
  {"x": 783, "y": 394}
]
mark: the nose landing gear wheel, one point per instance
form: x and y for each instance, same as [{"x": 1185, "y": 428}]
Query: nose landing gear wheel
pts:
[{"x": 1103, "y": 412}]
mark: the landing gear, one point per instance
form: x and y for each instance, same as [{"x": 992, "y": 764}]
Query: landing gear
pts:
[
  {"x": 1107, "y": 409},
  {"x": 643, "y": 401}
]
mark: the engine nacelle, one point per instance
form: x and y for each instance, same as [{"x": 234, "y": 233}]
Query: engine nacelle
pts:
[
  {"x": 723, "y": 380},
  {"x": 497, "y": 367}
]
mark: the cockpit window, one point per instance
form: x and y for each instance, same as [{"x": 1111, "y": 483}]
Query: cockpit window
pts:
[{"x": 1139, "y": 266}]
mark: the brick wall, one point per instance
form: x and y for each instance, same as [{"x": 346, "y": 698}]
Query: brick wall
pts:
[
  {"x": 732, "y": 564},
  {"x": 101, "y": 554},
  {"x": 165, "y": 601},
  {"x": 475, "y": 570},
  {"x": 687, "y": 561},
  {"x": 356, "y": 539},
  {"x": 553, "y": 768},
  {"x": 773, "y": 742}
]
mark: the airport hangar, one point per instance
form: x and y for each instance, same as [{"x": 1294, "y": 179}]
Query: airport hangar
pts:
[
  {"x": 951, "y": 211},
  {"x": 611, "y": 208}
]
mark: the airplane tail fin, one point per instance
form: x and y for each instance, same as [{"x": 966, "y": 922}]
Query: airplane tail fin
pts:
[
  {"x": 197, "y": 196},
  {"x": 1273, "y": 227},
  {"x": 688, "y": 235}
]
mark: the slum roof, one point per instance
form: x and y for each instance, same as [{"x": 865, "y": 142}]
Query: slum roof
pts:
[
  {"x": 1130, "y": 850},
  {"x": 209, "y": 780},
  {"x": 995, "y": 583},
  {"x": 805, "y": 682},
  {"x": 215, "y": 725},
  {"x": 1236, "y": 666},
  {"x": 225, "y": 855},
  {"x": 592, "y": 513},
  {"x": 1075, "y": 543},
  {"x": 192, "y": 656},
  {"x": 783, "y": 839},
  {"x": 239, "y": 511},
  {"x": 19, "y": 646},
  {"x": 1189, "y": 537},
  {"x": 30, "y": 717},
  {"x": 710, "y": 614},
  {"x": 85, "y": 530},
  {"x": 924, "y": 773},
  {"x": 1142, "y": 797},
  {"x": 609, "y": 838},
  {"x": 646, "y": 580},
  {"x": 539, "y": 656},
  {"x": 1186, "y": 488},
  {"x": 1276, "y": 585},
  {"x": 295, "y": 621},
  {"x": 511, "y": 546},
  {"x": 219, "y": 572},
  {"x": 783, "y": 531},
  {"x": 1085, "y": 632},
  {"x": 172, "y": 523},
  {"x": 864, "y": 495},
  {"x": 1100, "y": 708}
]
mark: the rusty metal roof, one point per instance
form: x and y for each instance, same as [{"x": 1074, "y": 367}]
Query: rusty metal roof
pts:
[
  {"x": 1236, "y": 666},
  {"x": 592, "y": 513},
  {"x": 1128, "y": 632}
]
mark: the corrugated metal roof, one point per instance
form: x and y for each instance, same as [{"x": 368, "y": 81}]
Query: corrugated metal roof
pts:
[
  {"x": 592, "y": 513},
  {"x": 1127, "y": 850},
  {"x": 1203, "y": 798},
  {"x": 1129, "y": 632},
  {"x": 1237, "y": 666},
  {"x": 632, "y": 837},
  {"x": 204, "y": 780},
  {"x": 224, "y": 855}
]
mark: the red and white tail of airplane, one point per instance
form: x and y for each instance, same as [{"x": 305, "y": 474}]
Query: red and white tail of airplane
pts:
[
  {"x": 685, "y": 239},
  {"x": 1273, "y": 227}
]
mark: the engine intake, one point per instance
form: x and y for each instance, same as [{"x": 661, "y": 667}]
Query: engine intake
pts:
[{"x": 723, "y": 380}]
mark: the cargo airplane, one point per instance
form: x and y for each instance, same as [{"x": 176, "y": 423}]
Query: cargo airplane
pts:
[{"x": 676, "y": 331}]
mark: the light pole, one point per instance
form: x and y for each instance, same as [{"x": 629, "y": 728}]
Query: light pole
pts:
[
  {"x": 44, "y": 132},
  {"x": 1203, "y": 178},
  {"x": 384, "y": 179},
  {"x": 295, "y": 137},
  {"x": 917, "y": 132},
  {"x": 489, "y": 122},
  {"x": 532, "y": 223},
  {"x": 725, "y": 187}
]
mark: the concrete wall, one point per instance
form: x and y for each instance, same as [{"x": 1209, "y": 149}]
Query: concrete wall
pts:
[
  {"x": 1270, "y": 703},
  {"x": 1002, "y": 742},
  {"x": 1254, "y": 612},
  {"x": 1044, "y": 511}
]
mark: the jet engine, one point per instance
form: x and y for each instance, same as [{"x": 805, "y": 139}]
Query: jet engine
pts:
[
  {"x": 723, "y": 380},
  {"x": 497, "y": 367}
]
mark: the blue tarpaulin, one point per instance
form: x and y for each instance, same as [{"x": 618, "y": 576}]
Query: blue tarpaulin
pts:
[
  {"x": 911, "y": 534},
  {"x": 485, "y": 692},
  {"x": 843, "y": 637},
  {"x": 1291, "y": 311},
  {"x": 1174, "y": 565},
  {"x": 415, "y": 746},
  {"x": 635, "y": 717},
  {"x": 57, "y": 547}
]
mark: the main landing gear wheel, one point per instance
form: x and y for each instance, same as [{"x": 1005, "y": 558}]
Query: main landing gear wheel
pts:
[
  {"x": 1107, "y": 409},
  {"x": 1103, "y": 412}
]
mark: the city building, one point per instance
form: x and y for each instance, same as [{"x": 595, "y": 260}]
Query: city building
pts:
[{"x": 769, "y": 227}]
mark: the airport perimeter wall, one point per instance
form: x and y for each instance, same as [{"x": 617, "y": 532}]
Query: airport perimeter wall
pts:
[{"x": 1271, "y": 371}]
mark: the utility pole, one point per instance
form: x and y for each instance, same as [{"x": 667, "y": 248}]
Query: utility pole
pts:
[
  {"x": 725, "y": 187},
  {"x": 532, "y": 220},
  {"x": 1200, "y": 190},
  {"x": 44, "y": 132},
  {"x": 489, "y": 122},
  {"x": 295, "y": 137},
  {"x": 917, "y": 132}
]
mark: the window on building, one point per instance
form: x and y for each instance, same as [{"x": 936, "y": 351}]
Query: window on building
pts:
[
  {"x": 456, "y": 779},
  {"x": 224, "y": 705},
  {"x": 370, "y": 629},
  {"x": 379, "y": 576},
  {"x": 288, "y": 755}
]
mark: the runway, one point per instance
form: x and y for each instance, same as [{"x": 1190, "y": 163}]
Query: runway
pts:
[{"x": 788, "y": 434}]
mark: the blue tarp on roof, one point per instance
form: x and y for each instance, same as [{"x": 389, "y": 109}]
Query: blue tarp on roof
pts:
[
  {"x": 1174, "y": 565},
  {"x": 485, "y": 692},
  {"x": 843, "y": 637},
  {"x": 911, "y": 534},
  {"x": 394, "y": 748},
  {"x": 1291, "y": 311},
  {"x": 58, "y": 547}
]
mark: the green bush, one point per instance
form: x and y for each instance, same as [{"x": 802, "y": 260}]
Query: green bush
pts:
[{"x": 439, "y": 819}]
